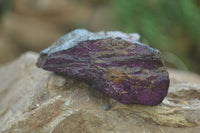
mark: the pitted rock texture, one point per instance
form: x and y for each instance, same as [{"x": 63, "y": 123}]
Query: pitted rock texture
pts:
[
  {"x": 33, "y": 100},
  {"x": 112, "y": 62}
]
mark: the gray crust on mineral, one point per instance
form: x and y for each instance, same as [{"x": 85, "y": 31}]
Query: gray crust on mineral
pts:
[{"x": 70, "y": 40}]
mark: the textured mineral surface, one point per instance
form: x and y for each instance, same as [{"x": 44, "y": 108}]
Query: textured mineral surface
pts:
[
  {"x": 111, "y": 62},
  {"x": 37, "y": 101}
]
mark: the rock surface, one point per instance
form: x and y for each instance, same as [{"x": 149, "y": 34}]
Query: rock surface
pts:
[
  {"x": 34, "y": 100},
  {"x": 112, "y": 62}
]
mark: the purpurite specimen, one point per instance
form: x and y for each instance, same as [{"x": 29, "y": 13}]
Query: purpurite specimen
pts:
[{"x": 113, "y": 62}]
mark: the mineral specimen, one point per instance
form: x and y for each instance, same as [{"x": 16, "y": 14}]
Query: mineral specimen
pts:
[{"x": 113, "y": 62}]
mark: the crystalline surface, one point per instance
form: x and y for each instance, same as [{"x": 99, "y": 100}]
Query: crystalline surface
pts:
[{"x": 113, "y": 62}]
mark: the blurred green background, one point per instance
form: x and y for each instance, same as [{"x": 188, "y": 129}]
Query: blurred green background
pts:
[{"x": 171, "y": 26}]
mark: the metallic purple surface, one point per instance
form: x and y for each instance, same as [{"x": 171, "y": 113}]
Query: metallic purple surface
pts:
[{"x": 127, "y": 71}]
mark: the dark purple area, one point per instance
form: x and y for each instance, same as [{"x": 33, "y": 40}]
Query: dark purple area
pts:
[{"x": 128, "y": 72}]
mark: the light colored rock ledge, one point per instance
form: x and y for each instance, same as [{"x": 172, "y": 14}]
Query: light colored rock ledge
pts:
[{"x": 34, "y": 100}]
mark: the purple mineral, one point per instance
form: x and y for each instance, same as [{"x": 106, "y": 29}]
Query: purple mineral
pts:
[{"x": 114, "y": 63}]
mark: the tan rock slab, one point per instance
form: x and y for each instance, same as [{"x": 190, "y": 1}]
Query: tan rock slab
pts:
[{"x": 34, "y": 100}]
